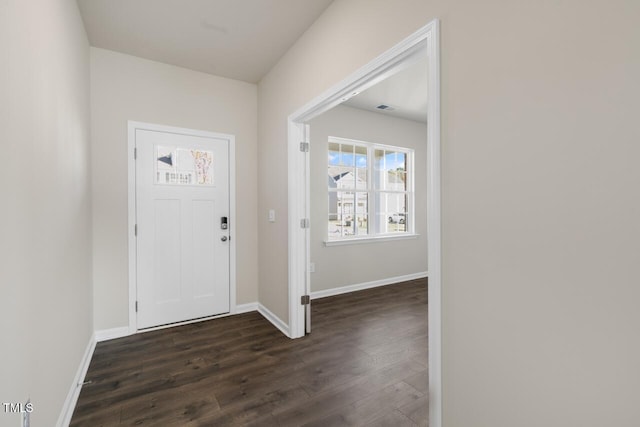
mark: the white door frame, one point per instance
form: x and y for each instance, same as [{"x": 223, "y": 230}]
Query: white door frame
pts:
[
  {"x": 131, "y": 165},
  {"x": 426, "y": 38}
]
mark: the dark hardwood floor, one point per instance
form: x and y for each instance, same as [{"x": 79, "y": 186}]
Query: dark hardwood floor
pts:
[{"x": 365, "y": 363}]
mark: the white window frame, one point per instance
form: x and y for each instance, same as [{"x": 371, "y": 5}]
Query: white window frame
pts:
[{"x": 372, "y": 208}]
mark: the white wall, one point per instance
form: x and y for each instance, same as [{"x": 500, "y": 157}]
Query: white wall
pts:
[
  {"x": 338, "y": 266},
  {"x": 45, "y": 219},
  {"x": 126, "y": 88},
  {"x": 540, "y": 196}
]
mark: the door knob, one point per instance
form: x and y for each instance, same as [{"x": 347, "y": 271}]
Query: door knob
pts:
[{"x": 223, "y": 238}]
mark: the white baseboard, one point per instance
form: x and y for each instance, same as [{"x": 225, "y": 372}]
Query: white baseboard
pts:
[
  {"x": 74, "y": 392},
  {"x": 113, "y": 333},
  {"x": 367, "y": 285},
  {"x": 275, "y": 320},
  {"x": 246, "y": 308}
]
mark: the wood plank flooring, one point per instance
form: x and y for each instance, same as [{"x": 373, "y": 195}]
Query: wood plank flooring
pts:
[{"x": 364, "y": 364}]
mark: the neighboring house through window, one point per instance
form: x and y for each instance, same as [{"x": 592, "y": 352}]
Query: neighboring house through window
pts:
[{"x": 370, "y": 190}]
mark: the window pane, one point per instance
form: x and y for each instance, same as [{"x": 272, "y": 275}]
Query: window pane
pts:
[
  {"x": 390, "y": 170},
  {"x": 378, "y": 169},
  {"x": 392, "y": 212},
  {"x": 334, "y": 154},
  {"x": 383, "y": 223},
  {"x": 361, "y": 179},
  {"x": 341, "y": 211},
  {"x": 404, "y": 221},
  {"x": 347, "y": 166},
  {"x": 334, "y": 228},
  {"x": 345, "y": 210},
  {"x": 396, "y": 202},
  {"x": 395, "y": 180},
  {"x": 361, "y": 224},
  {"x": 402, "y": 176},
  {"x": 360, "y": 156},
  {"x": 347, "y": 157},
  {"x": 397, "y": 222},
  {"x": 396, "y": 160},
  {"x": 341, "y": 177}
]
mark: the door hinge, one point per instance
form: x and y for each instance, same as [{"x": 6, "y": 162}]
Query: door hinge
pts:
[
  {"x": 135, "y": 153},
  {"x": 305, "y": 300},
  {"x": 135, "y": 230},
  {"x": 136, "y": 306},
  {"x": 304, "y": 223},
  {"x": 304, "y": 147}
]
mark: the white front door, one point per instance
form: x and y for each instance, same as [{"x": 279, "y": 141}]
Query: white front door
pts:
[{"x": 182, "y": 217}]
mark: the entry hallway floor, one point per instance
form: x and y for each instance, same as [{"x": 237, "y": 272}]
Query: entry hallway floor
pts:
[{"x": 364, "y": 364}]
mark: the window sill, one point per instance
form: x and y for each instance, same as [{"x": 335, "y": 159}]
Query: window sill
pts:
[{"x": 377, "y": 239}]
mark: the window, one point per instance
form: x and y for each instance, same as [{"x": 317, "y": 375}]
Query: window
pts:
[{"x": 370, "y": 189}]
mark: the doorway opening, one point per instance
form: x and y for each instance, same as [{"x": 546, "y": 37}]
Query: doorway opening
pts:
[{"x": 425, "y": 41}]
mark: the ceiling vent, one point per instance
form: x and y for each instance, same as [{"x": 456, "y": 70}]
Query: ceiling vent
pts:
[{"x": 385, "y": 107}]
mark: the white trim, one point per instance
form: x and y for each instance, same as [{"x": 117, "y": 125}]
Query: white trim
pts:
[
  {"x": 233, "y": 236},
  {"x": 113, "y": 333},
  {"x": 298, "y": 241},
  {"x": 132, "y": 126},
  {"x": 275, "y": 320},
  {"x": 375, "y": 239},
  {"x": 246, "y": 308},
  {"x": 408, "y": 50},
  {"x": 307, "y": 233},
  {"x": 132, "y": 245},
  {"x": 434, "y": 228},
  {"x": 367, "y": 285},
  {"x": 74, "y": 392}
]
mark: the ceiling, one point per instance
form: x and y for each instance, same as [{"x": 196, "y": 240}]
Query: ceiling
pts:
[
  {"x": 238, "y": 39},
  {"x": 405, "y": 92}
]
